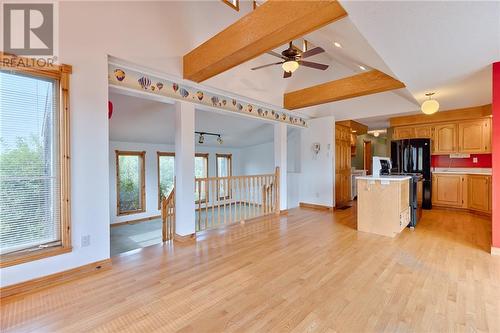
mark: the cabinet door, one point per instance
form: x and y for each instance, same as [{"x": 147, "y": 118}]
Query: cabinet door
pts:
[
  {"x": 447, "y": 190},
  {"x": 479, "y": 192},
  {"x": 471, "y": 136},
  {"x": 404, "y": 133},
  {"x": 445, "y": 136},
  {"x": 423, "y": 132}
]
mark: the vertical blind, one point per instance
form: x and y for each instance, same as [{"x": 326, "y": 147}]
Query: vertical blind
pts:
[{"x": 29, "y": 163}]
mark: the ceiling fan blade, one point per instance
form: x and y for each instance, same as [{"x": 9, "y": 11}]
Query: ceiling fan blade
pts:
[
  {"x": 276, "y": 55},
  {"x": 263, "y": 66},
  {"x": 287, "y": 75},
  {"x": 311, "y": 52},
  {"x": 314, "y": 65}
]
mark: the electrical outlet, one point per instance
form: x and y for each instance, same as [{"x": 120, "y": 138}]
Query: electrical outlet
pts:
[
  {"x": 85, "y": 240},
  {"x": 474, "y": 160}
]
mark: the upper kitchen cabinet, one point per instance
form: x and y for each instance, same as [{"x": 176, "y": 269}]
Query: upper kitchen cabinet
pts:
[
  {"x": 474, "y": 136},
  {"x": 459, "y": 131},
  {"x": 445, "y": 138},
  {"x": 401, "y": 133}
]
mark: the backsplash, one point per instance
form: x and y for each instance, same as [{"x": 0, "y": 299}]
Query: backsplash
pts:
[{"x": 444, "y": 161}]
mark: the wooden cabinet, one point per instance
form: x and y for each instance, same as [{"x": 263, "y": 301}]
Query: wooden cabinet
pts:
[
  {"x": 479, "y": 193},
  {"x": 342, "y": 165},
  {"x": 401, "y": 133},
  {"x": 474, "y": 136},
  {"x": 447, "y": 190},
  {"x": 464, "y": 136},
  {"x": 445, "y": 138},
  {"x": 423, "y": 132},
  {"x": 471, "y": 191}
]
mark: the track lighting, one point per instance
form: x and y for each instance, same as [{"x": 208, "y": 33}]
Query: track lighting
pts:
[{"x": 201, "y": 138}]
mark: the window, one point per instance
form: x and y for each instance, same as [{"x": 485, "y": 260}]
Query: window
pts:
[
  {"x": 224, "y": 169},
  {"x": 130, "y": 183},
  {"x": 34, "y": 165},
  {"x": 201, "y": 171},
  {"x": 166, "y": 175}
]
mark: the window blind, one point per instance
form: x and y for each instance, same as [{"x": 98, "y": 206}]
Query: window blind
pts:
[{"x": 29, "y": 163}]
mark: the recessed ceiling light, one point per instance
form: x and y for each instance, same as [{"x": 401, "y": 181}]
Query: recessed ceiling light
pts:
[
  {"x": 362, "y": 67},
  {"x": 337, "y": 44}
]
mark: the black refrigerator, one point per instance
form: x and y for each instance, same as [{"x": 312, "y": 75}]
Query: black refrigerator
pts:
[{"x": 414, "y": 156}]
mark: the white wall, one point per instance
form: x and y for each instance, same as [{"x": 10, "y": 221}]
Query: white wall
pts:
[
  {"x": 317, "y": 172},
  {"x": 258, "y": 159},
  {"x": 152, "y": 173},
  {"x": 86, "y": 47}
]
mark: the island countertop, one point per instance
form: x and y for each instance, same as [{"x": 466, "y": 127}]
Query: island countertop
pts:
[{"x": 395, "y": 178}]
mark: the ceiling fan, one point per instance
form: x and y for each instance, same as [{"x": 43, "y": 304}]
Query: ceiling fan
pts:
[{"x": 292, "y": 59}]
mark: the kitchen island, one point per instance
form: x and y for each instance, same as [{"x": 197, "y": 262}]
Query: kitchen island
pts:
[{"x": 383, "y": 204}]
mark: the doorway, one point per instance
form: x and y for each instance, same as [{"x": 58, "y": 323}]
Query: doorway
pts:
[{"x": 367, "y": 156}]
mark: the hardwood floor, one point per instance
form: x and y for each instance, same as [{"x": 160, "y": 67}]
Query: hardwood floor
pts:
[{"x": 305, "y": 271}]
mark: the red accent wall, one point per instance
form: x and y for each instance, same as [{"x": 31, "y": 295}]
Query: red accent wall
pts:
[
  {"x": 495, "y": 223},
  {"x": 444, "y": 161}
]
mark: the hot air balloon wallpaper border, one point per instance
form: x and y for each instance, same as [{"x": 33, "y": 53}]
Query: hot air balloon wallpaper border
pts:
[{"x": 124, "y": 77}]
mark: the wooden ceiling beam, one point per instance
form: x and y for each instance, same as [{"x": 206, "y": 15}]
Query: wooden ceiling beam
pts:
[
  {"x": 269, "y": 26},
  {"x": 366, "y": 83}
]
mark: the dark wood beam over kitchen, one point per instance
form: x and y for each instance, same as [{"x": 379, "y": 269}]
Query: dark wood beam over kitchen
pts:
[
  {"x": 269, "y": 26},
  {"x": 366, "y": 83}
]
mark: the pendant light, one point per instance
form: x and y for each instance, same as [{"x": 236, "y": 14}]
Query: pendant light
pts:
[{"x": 430, "y": 106}]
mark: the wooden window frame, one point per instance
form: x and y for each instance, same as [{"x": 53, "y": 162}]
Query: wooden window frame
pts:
[
  {"x": 206, "y": 156},
  {"x": 230, "y": 173},
  {"x": 60, "y": 73},
  {"x": 158, "y": 155},
  {"x": 142, "y": 154},
  {"x": 233, "y": 4}
]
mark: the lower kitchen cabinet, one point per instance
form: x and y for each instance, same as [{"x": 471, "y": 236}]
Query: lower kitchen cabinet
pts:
[
  {"x": 447, "y": 190},
  {"x": 471, "y": 192},
  {"x": 479, "y": 192}
]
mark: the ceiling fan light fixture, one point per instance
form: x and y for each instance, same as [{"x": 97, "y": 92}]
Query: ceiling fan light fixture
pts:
[
  {"x": 290, "y": 66},
  {"x": 201, "y": 139},
  {"x": 430, "y": 106},
  {"x": 219, "y": 140}
]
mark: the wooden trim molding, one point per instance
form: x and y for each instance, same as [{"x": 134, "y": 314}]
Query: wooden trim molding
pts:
[
  {"x": 269, "y": 26},
  {"x": 474, "y": 112},
  {"x": 495, "y": 251},
  {"x": 315, "y": 206},
  {"x": 136, "y": 221},
  {"x": 158, "y": 154},
  {"x": 30, "y": 286},
  {"x": 60, "y": 72},
  {"x": 141, "y": 154},
  {"x": 367, "y": 83},
  {"x": 186, "y": 238}
]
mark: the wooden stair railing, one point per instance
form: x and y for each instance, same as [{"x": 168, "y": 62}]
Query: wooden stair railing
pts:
[{"x": 168, "y": 216}]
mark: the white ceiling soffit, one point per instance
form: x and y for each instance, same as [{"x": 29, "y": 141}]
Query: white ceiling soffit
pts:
[
  {"x": 445, "y": 47},
  {"x": 141, "y": 120}
]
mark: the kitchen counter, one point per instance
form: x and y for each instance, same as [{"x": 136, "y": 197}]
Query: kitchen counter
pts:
[
  {"x": 385, "y": 178},
  {"x": 383, "y": 204},
  {"x": 463, "y": 171}
]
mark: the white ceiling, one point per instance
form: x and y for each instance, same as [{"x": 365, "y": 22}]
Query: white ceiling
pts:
[
  {"x": 446, "y": 47},
  {"x": 140, "y": 120}
]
